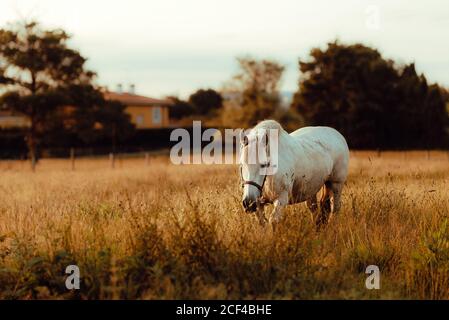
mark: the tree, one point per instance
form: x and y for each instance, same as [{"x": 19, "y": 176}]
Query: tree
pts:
[
  {"x": 289, "y": 118},
  {"x": 114, "y": 123},
  {"x": 47, "y": 82},
  {"x": 3, "y": 78},
  {"x": 374, "y": 103},
  {"x": 180, "y": 108},
  {"x": 445, "y": 93},
  {"x": 89, "y": 117},
  {"x": 258, "y": 86},
  {"x": 206, "y": 102}
]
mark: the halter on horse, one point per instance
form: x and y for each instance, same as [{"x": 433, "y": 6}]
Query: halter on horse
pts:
[
  {"x": 244, "y": 182},
  {"x": 252, "y": 183}
]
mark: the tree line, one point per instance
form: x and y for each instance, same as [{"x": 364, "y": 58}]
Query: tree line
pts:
[
  {"x": 373, "y": 101},
  {"x": 47, "y": 82}
]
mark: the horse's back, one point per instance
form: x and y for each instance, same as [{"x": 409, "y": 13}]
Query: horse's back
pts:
[{"x": 328, "y": 141}]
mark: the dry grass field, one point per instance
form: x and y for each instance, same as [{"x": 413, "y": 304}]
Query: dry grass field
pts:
[{"x": 159, "y": 231}]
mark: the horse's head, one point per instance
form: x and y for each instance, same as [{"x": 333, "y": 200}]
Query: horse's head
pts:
[{"x": 254, "y": 162}]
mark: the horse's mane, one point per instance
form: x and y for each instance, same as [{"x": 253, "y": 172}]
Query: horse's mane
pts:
[{"x": 269, "y": 124}]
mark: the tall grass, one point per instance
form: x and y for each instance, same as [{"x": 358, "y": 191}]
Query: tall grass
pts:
[{"x": 161, "y": 231}]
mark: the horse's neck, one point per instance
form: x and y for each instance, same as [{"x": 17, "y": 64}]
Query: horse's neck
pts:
[
  {"x": 291, "y": 147},
  {"x": 289, "y": 151}
]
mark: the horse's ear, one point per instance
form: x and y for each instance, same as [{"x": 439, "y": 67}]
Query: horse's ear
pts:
[
  {"x": 243, "y": 138},
  {"x": 265, "y": 139}
]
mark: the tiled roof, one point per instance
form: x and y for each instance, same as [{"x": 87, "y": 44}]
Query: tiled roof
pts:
[{"x": 134, "y": 99}]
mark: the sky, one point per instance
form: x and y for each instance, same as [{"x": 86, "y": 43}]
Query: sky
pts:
[{"x": 169, "y": 47}]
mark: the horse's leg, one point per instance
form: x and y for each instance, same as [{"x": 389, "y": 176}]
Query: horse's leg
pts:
[
  {"x": 325, "y": 204},
  {"x": 336, "y": 188},
  {"x": 279, "y": 203},
  {"x": 312, "y": 204}
]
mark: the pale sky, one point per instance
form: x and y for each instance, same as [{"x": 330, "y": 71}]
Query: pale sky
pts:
[{"x": 170, "y": 47}]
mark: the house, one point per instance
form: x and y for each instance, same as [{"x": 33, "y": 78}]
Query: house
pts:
[
  {"x": 145, "y": 112},
  {"x": 9, "y": 119}
]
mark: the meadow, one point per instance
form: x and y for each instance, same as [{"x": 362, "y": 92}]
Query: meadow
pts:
[{"x": 153, "y": 230}]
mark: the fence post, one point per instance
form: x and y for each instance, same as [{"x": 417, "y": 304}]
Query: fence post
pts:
[
  {"x": 72, "y": 158},
  {"x": 147, "y": 159},
  {"x": 112, "y": 160}
]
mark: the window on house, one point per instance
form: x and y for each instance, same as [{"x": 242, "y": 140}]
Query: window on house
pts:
[
  {"x": 139, "y": 119},
  {"x": 157, "y": 115}
]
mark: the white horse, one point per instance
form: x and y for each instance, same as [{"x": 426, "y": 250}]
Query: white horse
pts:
[{"x": 308, "y": 159}]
